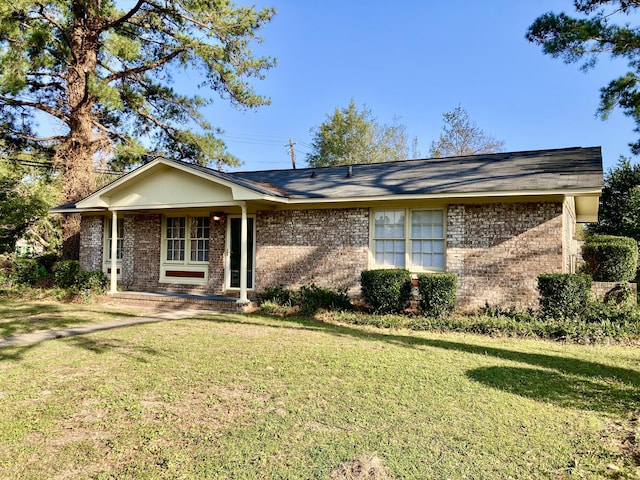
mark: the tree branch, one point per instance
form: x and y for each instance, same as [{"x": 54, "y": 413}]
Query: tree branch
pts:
[
  {"x": 150, "y": 66},
  {"x": 54, "y": 112},
  {"x": 116, "y": 23}
]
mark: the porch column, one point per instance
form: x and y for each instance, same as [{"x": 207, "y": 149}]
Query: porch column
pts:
[
  {"x": 243, "y": 255},
  {"x": 114, "y": 253}
]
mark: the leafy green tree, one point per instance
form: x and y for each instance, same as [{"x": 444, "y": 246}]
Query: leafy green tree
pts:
[
  {"x": 352, "y": 136},
  {"x": 100, "y": 74},
  {"x": 584, "y": 39},
  {"x": 25, "y": 197},
  {"x": 620, "y": 201},
  {"x": 461, "y": 136}
]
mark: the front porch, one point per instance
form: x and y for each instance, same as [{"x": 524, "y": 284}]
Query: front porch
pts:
[{"x": 180, "y": 300}]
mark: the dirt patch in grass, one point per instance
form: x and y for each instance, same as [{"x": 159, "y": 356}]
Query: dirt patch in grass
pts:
[{"x": 364, "y": 467}]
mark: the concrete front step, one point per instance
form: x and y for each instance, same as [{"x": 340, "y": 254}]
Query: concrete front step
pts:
[{"x": 174, "y": 300}]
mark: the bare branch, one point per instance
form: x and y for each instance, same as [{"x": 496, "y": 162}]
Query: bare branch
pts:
[
  {"x": 109, "y": 131},
  {"x": 116, "y": 23}
]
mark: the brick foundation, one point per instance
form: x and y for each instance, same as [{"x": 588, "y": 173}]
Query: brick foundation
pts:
[{"x": 498, "y": 250}]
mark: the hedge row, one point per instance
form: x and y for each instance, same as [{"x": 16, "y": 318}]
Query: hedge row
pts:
[
  {"x": 66, "y": 274},
  {"x": 610, "y": 259},
  {"x": 564, "y": 296},
  {"x": 388, "y": 291}
]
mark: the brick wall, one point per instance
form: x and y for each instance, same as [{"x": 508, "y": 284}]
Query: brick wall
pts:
[
  {"x": 128, "y": 251},
  {"x": 498, "y": 250},
  {"x": 91, "y": 243},
  {"x": 217, "y": 235},
  {"x": 146, "y": 252},
  {"x": 326, "y": 247},
  {"x": 142, "y": 250}
]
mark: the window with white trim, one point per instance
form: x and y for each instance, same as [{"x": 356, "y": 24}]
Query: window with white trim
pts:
[
  {"x": 109, "y": 238},
  {"x": 409, "y": 238},
  {"x": 175, "y": 238},
  {"x": 200, "y": 239},
  {"x": 187, "y": 238}
]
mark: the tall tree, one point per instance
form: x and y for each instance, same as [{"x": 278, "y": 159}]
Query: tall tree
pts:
[
  {"x": 351, "y": 136},
  {"x": 620, "y": 201},
  {"x": 100, "y": 74},
  {"x": 25, "y": 195},
  {"x": 585, "y": 39},
  {"x": 461, "y": 136}
]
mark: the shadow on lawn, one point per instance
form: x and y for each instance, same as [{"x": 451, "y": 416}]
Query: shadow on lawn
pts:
[
  {"x": 564, "y": 381},
  {"x": 19, "y": 319}
]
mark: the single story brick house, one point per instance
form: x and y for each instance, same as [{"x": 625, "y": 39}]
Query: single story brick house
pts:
[{"x": 495, "y": 220}]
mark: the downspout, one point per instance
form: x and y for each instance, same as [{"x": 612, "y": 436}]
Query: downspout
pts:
[
  {"x": 114, "y": 253},
  {"x": 243, "y": 255}
]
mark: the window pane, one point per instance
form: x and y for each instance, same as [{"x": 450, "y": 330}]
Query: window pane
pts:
[
  {"x": 109, "y": 236},
  {"x": 199, "y": 239},
  {"x": 175, "y": 238},
  {"x": 389, "y": 224},
  {"x": 426, "y": 224},
  {"x": 389, "y": 253}
]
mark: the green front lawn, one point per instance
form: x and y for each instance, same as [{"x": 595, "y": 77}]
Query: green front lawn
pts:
[{"x": 229, "y": 396}]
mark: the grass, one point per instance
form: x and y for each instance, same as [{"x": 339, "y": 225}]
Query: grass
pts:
[
  {"x": 229, "y": 396},
  {"x": 23, "y": 316}
]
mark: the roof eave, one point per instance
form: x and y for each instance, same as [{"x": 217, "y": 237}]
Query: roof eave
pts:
[{"x": 577, "y": 192}]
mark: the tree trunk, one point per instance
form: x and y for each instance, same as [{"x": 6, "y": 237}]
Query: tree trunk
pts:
[{"x": 75, "y": 156}]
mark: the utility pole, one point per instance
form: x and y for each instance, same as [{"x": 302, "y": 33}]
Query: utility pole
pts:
[{"x": 293, "y": 153}]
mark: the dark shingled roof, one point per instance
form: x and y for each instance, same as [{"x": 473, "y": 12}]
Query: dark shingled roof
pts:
[{"x": 538, "y": 170}]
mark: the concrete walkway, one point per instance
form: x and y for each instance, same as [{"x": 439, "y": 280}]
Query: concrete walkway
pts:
[{"x": 42, "y": 335}]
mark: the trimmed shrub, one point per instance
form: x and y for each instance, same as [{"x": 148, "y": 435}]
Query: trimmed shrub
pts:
[
  {"x": 67, "y": 273},
  {"x": 277, "y": 295},
  {"x": 610, "y": 259},
  {"x": 94, "y": 280},
  {"x": 24, "y": 271},
  {"x": 437, "y": 293},
  {"x": 564, "y": 295},
  {"x": 386, "y": 290},
  {"x": 311, "y": 298}
]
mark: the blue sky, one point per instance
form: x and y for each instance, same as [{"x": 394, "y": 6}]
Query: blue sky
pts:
[{"x": 416, "y": 60}]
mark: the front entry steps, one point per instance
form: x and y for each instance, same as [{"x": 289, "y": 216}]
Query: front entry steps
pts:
[{"x": 177, "y": 300}]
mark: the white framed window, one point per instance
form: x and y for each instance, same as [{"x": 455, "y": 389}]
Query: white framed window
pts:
[
  {"x": 186, "y": 239},
  {"x": 109, "y": 238},
  {"x": 389, "y": 238},
  {"x": 200, "y": 239},
  {"x": 107, "y": 242},
  {"x": 185, "y": 249},
  {"x": 175, "y": 234},
  {"x": 408, "y": 238}
]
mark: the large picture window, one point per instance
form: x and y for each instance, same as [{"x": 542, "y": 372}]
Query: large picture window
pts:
[
  {"x": 185, "y": 251},
  {"x": 408, "y": 238}
]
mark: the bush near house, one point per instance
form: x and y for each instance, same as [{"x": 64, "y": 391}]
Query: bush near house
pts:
[
  {"x": 307, "y": 300},
  {"x": 45, "y": 272},
  {"x": 24, "y": 271},
  {"x": 610, "y": 258},
  {"x": 311, "y": 298},
  {"x": 437, "y": 293},
  {"x": 66, "y": 273},
  {"x": 386, "y": 290},
  {"x": 564, "y": 295}
]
